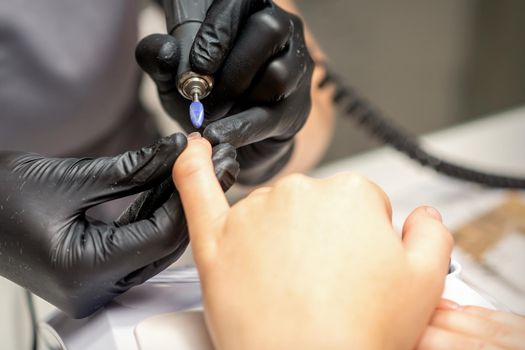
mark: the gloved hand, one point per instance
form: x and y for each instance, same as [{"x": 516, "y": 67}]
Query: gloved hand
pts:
[
  {"x": 257, "y": 54},
  {"x": 48, "y": 244}
]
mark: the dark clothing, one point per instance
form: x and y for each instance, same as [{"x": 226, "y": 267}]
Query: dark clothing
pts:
[{"x": 68, "y": 79}]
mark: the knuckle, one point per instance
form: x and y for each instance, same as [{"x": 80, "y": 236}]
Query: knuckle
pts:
[
  {"x": 358, "y": 185},
  {"x": 126, "y": 166},
  {"x": 353, "y": 181},
  {"x": 279, "y": 76},
  {"x": 293, "y": 182},
  {"x": 272, "y": 24},
  {"x": 440, "y": 232},
  {"x": 189, "y": 164},
  {"x": 223, "y": 150},
  {"x": 497, "y": 331},
  {"x": 187, "y": 167},
  {"x": 479, "y": 344},
  {"x": 209, "y": 48},
  {"x": 214, "y": 135},
  {"x": 470, "y": 343},
  {"x": 448, "y": 238},
  {"x": 156, "y": 52}
]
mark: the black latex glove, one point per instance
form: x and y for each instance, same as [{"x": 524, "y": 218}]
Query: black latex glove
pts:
[
  {"x": 49, "y": 246},
  {"x": 257, "y": 54}
]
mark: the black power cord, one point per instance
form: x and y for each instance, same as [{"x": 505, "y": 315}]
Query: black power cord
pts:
[
  {"x": 386, "y": 131},
  {"x": 33, "y": 319}
]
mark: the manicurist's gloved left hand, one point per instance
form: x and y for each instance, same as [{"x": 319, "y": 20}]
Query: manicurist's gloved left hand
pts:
[
  {"x": 48, "y": 244},
  {"x": 257, "y": 54}
]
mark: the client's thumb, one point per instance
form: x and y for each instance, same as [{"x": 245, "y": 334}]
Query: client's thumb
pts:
[{"x": 202, "y": 197}]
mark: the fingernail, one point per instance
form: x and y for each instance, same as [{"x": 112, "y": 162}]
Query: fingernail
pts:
[
  {"x": 445, "y": 304},
  {"x": 434, "y": 213},
  {"x": 194, "y": 136}
]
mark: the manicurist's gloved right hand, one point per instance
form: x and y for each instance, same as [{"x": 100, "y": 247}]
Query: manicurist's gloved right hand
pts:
[
  {"x": 48, "y": 244},
  {"x": 310, "y": 264},
  {"x": 257, "y": 53}
]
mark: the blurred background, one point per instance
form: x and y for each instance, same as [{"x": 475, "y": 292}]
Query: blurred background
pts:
[{"x": 426, "y": 64}]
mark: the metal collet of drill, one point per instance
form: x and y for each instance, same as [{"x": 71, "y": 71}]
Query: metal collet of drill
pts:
[{"x": 195, "y": 87}]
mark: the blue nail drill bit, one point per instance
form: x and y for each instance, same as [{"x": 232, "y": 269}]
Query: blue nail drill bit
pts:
[{"x": 197, "y": 113}]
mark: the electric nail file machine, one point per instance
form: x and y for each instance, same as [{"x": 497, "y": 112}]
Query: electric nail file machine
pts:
[{"x": 184, "y": 19}]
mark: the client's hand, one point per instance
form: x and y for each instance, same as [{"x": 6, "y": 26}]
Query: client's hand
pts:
[
  {"x": 470, "y": 327},
  {"x": 310, "y": 264}
]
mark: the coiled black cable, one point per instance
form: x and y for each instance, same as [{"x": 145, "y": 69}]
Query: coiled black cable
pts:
[
  {"x": 32, "y": 319},
  {"x": 386, "y": 131}
]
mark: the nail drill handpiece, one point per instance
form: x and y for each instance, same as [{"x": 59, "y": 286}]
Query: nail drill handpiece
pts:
[{"x": 184, "y": 19}]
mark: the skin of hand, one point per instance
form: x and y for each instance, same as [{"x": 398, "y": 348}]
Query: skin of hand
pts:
[
  {"x": 455, "y": 327},
  {"x": 263, "y": 71},
  {"x": 79, "y": 264},
  {"x": 310, "y": 264}
]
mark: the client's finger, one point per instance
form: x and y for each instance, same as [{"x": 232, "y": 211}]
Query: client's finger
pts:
[
  {"x": 508, "y": 318},
  {"x": 428, "y": 242},
  {"x": 495, "y": 332},
  {"x": 202, "y": 197},
  {"x": 436, "y": 338}
]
